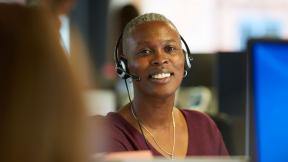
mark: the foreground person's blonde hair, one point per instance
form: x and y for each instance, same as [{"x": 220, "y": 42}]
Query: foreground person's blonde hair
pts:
[{"x": 42, "y": 116}]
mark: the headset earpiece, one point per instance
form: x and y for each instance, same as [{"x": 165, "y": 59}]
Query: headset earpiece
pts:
[
  {"x": 187, "y": 60},
  {"x": 120, "y": 63},
  {"x": 121, "y": 68},
  {"x": 187, "y": 55}
]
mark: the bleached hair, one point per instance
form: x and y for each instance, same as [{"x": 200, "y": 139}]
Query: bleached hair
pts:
[{"x": 148, "y": 17}]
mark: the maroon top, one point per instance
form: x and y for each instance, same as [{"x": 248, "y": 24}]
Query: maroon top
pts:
[{"x": 204, "y": 136}]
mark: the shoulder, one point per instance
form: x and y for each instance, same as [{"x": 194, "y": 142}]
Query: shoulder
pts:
[
  {"x": 116, "y": 123},
  {"x": 194, "y": 113},
  {"x": 197, "y": 116},
  {"x": 208, "y": 134},
  {"x": 110, "y": 125},
  {"x": 122, "y": 136},
  {"x": 112, "y": 119},
  {"x": 115, "y": 132},
  {"x": 200, "y": 121}
]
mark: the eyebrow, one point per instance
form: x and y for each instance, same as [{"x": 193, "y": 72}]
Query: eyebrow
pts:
[
  {"x": 165, "y": 41},
  {"x": 170, "y": 41}
]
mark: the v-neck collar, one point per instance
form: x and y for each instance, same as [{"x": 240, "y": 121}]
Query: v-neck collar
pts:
[{"x": 140, "y": 136}]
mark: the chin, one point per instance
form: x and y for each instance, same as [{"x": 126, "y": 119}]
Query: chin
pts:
[{"x": 163, "y": 93}]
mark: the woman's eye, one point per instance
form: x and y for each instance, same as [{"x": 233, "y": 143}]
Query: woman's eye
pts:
[
  {"x": 144, "y": 52},
  {"x": 170, "y": 49}
]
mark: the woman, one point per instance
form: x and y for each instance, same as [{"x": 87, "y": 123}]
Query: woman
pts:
[{"x": 153, "y": 57}]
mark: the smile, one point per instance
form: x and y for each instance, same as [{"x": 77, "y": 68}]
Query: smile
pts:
[{"x": 161, "y": 75}]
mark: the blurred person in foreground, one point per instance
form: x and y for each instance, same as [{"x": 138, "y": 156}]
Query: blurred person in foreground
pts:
[
  {"x": 75, "y": 47},
  {"x": 55, "y": 7},
  {"x": 152, "y": 55},
  {"x": 42, "y": 115}
]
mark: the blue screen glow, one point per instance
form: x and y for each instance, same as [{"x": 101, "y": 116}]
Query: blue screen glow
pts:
[{"x": 270, "y": 62}]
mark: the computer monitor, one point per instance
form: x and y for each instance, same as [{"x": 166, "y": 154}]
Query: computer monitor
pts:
[{"x": 267, "y": 100}]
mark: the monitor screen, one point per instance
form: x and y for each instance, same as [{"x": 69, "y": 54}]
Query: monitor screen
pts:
[{"x": 268, "y": 97}]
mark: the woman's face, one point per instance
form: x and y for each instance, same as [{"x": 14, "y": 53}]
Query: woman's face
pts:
[{"x": 154, "y": 53}]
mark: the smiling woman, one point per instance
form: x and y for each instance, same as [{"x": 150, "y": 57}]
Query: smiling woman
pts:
[{"x": 153, "y": 54}]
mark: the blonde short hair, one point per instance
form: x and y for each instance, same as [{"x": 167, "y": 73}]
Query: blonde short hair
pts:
[{"x": 148, "y": 17}]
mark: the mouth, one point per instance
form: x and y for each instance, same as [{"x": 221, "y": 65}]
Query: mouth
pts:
[{"x": 161, "y": 75}]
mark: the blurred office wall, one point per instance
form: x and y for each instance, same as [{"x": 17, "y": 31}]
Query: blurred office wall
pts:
[{"x": 213, "y": 25}]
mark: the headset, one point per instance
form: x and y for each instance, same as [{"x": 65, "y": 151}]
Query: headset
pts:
[{"x": 122, "y": 68}]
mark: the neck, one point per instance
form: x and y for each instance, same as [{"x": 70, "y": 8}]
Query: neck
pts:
[
  {"x": 141, "y": 125},
  {"x": 154, "y": 112}
]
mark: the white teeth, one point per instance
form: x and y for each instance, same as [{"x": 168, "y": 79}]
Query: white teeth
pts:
[{"x": 161, "y": 76}]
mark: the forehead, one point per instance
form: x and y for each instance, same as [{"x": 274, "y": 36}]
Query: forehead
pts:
[
  {"x": 153, "y": 27},
  {"x": 149, "y": 30}
]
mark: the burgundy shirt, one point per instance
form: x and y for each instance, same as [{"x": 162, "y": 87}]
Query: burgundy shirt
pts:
[{"x": 204, "y": 136}]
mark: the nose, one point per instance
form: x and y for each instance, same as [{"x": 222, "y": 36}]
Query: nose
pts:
[{"x": 159, "y": 59}]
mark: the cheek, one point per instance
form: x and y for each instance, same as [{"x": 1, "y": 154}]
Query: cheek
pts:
[
  {"x": 179, "y": 63},
  {"x": 179, "y": 68},
  {"x": 136, "y": 66}
]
